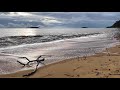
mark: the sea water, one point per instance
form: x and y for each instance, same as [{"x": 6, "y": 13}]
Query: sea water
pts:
[{"x": 55, "y": 43}]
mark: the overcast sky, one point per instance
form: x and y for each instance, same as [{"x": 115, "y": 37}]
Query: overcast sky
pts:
[{"x": 58, "y": 19}]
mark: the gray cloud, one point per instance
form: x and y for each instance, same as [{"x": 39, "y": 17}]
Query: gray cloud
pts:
[
  {"x": 62, "y": 19},
  {"x": 2, "y": 26}
]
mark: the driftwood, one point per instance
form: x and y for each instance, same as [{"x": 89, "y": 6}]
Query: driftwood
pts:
[
  {"x": 38, "y": 60},
  {"x": 29, "y": 74}
]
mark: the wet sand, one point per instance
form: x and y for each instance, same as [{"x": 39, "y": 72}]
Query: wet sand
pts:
[{"x": 101, "y": 65}]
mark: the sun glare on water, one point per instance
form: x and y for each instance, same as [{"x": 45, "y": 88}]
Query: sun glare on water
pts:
[{"x": 28, "y": 32}]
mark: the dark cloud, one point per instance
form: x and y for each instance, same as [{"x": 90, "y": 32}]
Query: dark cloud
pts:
[{"x": 61, "y": 19}]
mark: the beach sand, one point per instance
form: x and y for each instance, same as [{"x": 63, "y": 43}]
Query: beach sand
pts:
[{"x": 101, "y": 65}]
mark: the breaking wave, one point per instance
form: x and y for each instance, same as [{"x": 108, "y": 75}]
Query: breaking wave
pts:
[{"x": 20, "y": 40}]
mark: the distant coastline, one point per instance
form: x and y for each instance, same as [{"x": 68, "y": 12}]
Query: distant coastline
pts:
[
  {"x": 84, "y": 27},
  {"x": 32, "y": 27}
]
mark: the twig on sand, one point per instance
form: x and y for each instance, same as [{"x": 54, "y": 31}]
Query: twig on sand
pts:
[
  {"x": 38, "y": 60},
  {"x": 78, "y": 58},
  {"x": 76, "y": 68},
  {"x": 97, "y": 73},
  {"x": 107, "y": 51},
  {"x": 69, "y": 75},
  {"x": 85, "y": 57}
]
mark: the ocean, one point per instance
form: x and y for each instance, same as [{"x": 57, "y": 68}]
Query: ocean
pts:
[{"x": 55, "y": 44}]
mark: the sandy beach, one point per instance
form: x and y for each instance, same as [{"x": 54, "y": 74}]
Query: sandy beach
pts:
[
  {"x": 59, "y": 45},
  {"x": 101, "y": 65}
]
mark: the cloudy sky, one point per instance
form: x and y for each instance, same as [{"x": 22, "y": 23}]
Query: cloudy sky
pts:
[{"x": 58, "y": 19}]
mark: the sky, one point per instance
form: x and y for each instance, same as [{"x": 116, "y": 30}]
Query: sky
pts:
[{"x": 58, "y": 19}]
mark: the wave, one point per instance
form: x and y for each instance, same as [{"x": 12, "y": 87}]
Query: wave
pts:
[{"x": 21, "y": 40}]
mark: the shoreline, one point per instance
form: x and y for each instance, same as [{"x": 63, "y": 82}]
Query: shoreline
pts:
[{"x": 101, "y": 65}]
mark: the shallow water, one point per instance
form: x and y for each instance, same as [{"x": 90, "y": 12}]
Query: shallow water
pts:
[{"x": 87, "y": 41}]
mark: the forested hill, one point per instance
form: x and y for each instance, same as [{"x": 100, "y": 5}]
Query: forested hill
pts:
[{"x": 115, "y": 25}]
